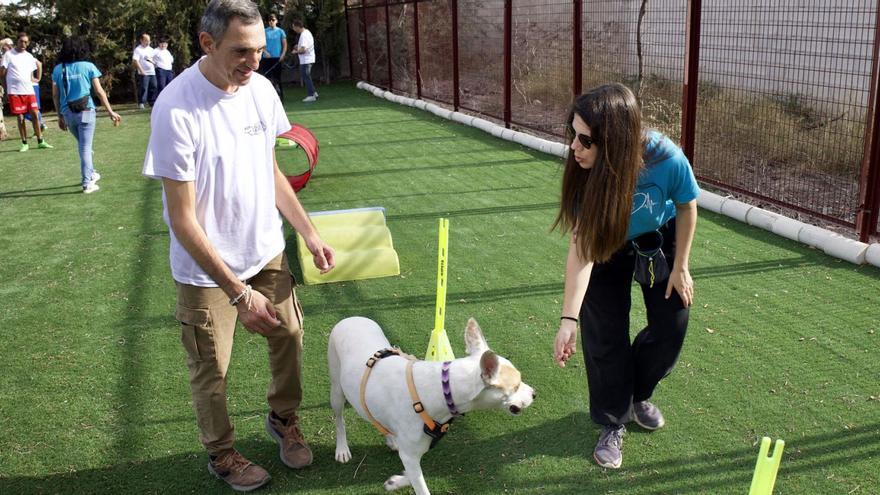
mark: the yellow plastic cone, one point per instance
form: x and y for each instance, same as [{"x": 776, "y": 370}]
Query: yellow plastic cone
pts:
[
  {"x": 439, "y": 348},
  {"x": 766, "y": 468}
]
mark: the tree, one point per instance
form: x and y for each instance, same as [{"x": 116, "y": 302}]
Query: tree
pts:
[{"x": 113, "y": 28}]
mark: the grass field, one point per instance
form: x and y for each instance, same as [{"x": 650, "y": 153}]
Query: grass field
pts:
[{"x": 94, "y": 398}]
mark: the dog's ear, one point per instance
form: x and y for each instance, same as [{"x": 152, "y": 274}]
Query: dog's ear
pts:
[
  {"x": 489, "y": 366},
  {"x": 473, "y": 338}
]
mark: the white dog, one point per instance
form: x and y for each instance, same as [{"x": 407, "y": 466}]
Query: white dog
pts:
[{"x": 385, "y": 396}]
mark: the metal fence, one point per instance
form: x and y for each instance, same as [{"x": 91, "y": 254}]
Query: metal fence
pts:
[{"x": 772, "y": 100}]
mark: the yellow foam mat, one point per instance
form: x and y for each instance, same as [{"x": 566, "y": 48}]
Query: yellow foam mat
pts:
[{"x": 362, "y": 242}]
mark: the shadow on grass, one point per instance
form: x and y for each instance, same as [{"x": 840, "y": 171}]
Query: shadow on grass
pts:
[
  {"x": 468, "y": 463},
  {"x": 313, "y": 206},
  {"x": 755, "y": 267},
  {"x": 411, "y": 170},
  {"x": 43, "y": 191},
  {"x": 492, "y": 210},
  {"x": 351, "y": 123},
  {"x": 809, "y": 256},
  {"x": 132, "y": 375},
  {"x": 350, "y": 302},
  {"x": 187, "y": 473}
]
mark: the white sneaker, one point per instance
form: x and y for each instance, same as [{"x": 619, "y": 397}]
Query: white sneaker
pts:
[
  {"x": 95, "y": 176},
  {"x": 316, "y": 95},
  {"x": 92, "y": 187},
  {"x": 309, "y": 99},
  {"x": 141, "y": 106}
]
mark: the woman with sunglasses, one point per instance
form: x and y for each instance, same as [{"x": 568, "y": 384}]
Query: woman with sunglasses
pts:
[{"x": 628, "y": 200}]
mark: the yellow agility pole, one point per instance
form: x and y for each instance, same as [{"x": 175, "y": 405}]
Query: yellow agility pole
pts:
[
  {"x": 766, "y": 468},
  {"x": 439, "y": 348}
]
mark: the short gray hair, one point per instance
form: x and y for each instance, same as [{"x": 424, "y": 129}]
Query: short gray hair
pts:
[{"x": 217, "y": 15}]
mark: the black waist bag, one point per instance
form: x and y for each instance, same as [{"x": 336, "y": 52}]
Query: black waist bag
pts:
[{"x": 651, "y": 266}]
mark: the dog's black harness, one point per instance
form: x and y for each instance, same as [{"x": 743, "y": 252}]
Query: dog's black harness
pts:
[{"x": 431, "y": 428}]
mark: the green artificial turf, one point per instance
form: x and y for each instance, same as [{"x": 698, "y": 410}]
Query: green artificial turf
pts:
[{"x": 94, "y": 397}]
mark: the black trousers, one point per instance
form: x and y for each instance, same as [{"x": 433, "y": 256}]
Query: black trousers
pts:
[
  {"x": 620, "y": 372},
  {"x": 271, "y": 68}
]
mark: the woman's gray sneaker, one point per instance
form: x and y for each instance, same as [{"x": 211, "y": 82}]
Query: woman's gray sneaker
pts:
[
  {"x": 647, "y": 415},
  {"x": 609, "y": 449}
]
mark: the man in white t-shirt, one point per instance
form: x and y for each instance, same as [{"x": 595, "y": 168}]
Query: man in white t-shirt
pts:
[
  {"x": 212, "y": 145},
  {"x": 142, "y": 60},
  {"x": 18, "y": 67},
  {"x": 164, "y": 64},
  {"x": 5, "y": 46},
  {"x": 305, "y": 47}
]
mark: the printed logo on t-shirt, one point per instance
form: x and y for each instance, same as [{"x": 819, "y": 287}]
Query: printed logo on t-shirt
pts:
[
  {"x": 643, "y": 199},
  {"x": 254, "y": 129}
]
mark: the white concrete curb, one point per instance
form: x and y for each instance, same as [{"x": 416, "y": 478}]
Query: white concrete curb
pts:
[{"x": 830, "y": 243}]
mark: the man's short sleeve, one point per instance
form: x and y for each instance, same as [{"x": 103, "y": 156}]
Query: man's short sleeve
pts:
[
  {"x": 5, "y": 62},
  {"x": 134, "y": 54},
  {"x": 306, "y": 40},
  {"x": 282, "y": 123},
  {"x": 171, "y": 150}
]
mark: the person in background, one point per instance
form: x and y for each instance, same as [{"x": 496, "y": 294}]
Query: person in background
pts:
[
  {"x": 73, "y": 78},
  {"x": 305, "y": 47},
  {"x": 629, "y": 199},
  {"x": 142, "y": 59},
  {"x": 212, "y": 144},
  {"x": 276, "y": 48},
  {"x": 164, "y": 64},
  {"x": 5, "y": 45},
  {"x": 18, "y": 67},
  {"x": 36, "y": 84}
]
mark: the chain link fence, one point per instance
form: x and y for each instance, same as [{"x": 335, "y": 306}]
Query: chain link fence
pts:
[{"x": 784, "y": 91}]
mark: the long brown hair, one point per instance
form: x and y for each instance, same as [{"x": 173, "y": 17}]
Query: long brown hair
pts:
[{"x": 596, "y": 203}]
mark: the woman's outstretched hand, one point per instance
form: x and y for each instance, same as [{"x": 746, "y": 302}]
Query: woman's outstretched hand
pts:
[{"x": 566, "y": 342}]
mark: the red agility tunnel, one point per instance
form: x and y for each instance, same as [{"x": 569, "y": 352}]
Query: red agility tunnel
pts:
[{"x": 306, "y": 140}]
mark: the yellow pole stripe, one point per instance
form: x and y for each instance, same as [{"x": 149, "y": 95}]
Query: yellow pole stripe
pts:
[{"x": 442, "y": 265}]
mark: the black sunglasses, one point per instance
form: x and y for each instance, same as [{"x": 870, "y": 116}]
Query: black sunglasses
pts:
[{"x": 586, "y": 141}]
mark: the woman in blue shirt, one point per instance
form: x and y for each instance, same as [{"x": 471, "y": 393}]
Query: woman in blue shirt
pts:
[
  {"x": 627, "y": 195},
  {"x": 73, "y": 80}
]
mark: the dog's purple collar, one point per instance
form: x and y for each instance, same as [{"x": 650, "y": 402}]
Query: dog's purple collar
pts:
[{"x": 447, "y": 390}]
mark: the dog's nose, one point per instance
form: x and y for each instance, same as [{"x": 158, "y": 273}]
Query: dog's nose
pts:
[
  {"x": 515, "y": 409},
  {"x": 534, "y": 394}
]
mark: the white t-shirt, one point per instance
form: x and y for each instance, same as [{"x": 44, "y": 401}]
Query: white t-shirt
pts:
[
  {"x": 224, "y": 143},
  {"x": 163, "y": 58},
  {"x": 307, "y": 41},
  {"x": 142, "y": 54},
  {"x": 20, "y": 67}
]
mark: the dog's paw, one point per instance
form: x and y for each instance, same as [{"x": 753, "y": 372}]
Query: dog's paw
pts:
[
  {"x": 343, "y": 455},
  {"x": 396, "y": 482}
]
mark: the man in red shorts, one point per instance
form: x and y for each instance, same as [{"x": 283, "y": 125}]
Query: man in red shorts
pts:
[{"x": 18, "y": 67}]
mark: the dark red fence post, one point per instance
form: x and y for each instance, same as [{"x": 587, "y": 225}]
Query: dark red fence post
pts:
[
  {"x": 348, "y": 41},
  {"x": 455, "y": 90},
  {"x": 388, "y": 45},
  {"x": 691, "y": 79},
  {"x": 577, "y": 47},
  {"x": 508, "y": 48},
  {"x": 418, "y": 57},
  {"x": 869, "y": 180},
  {"x": 366, "y": 41}
]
